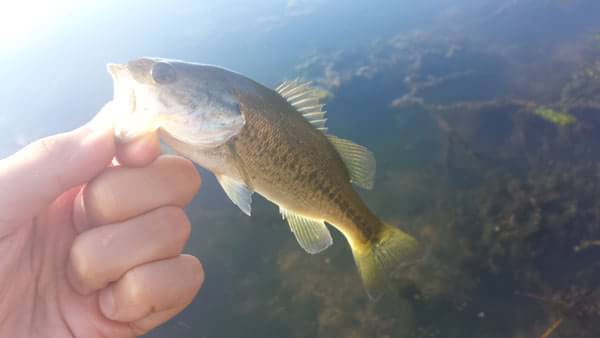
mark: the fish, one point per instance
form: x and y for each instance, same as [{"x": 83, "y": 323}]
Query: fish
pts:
[{"x": 273, "y": 142}]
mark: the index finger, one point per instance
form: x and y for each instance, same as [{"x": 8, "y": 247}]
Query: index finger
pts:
[{"x": 120, "y": 193}]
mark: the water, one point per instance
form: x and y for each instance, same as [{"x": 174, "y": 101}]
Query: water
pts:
[{"x": 444, "y": 93}]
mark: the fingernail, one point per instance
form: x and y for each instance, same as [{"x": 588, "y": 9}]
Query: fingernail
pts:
[
  {"x": 107, "y": 302},
  {"x": 79, "y": 214}
]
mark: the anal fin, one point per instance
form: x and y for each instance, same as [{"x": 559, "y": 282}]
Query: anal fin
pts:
[
  {"x": 238, "y": 192},
  {"x": 312, "y": 234}
]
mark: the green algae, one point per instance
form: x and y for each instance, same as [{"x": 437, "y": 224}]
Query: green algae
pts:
[{"x": 556, "y": 117}]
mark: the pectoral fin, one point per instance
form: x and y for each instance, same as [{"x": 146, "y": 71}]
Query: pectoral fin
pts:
[
  {"x": 312, "y": 234},
  {"x": 238, "y": 192},
  {"x": 358, "y": 159}
]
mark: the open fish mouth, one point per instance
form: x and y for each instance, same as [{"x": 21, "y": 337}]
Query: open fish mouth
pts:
[
  {"x": 130, "y": 123},
  {"x": 123, "y": 88}
]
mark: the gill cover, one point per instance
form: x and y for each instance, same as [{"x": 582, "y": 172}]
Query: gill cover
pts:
[{"x": 195, "y": 104}]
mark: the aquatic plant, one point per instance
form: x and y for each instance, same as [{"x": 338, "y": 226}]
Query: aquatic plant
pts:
[
  {"x": 584, "y": 88},
  {"x": 533, "y": 205},
  {"x": 500, "y": 195},
  {"x": 556, "y": 117}
]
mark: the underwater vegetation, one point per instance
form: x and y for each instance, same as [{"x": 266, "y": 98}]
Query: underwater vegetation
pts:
[
  {"x": 536, "y": 208},
  {"x": 584, "y": 87},
  {"x": 504, "y": 191},
  {"x": 556, "y": 117},
  {"x": 494, "y": 167}
]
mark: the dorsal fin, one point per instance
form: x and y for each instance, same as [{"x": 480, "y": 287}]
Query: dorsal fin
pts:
[
  {"x": 306, "y": 100},
  {"x": 358, "y": 159}
]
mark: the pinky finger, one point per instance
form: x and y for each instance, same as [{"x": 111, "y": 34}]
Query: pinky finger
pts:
[{"x": 152, "y": 288}]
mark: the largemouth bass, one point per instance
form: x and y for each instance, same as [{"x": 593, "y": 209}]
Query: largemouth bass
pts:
[{"x": 272, "y": 142}]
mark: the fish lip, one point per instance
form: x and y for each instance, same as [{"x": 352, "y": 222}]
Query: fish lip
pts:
[
  {"x": 114, "y": 68},
  {"x": 125, "y": 99},
  {"x": 123, "y": 91},
  {"x": 117, "y": 71}
]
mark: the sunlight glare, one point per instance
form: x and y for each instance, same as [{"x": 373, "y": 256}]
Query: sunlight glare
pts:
[{"x": 20, "y": 19}]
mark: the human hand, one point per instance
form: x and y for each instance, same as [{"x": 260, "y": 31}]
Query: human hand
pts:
[{"x": 99, "y": 261}]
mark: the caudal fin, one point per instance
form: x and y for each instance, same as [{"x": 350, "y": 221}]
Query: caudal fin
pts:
[{"x": 376, "y": 259}]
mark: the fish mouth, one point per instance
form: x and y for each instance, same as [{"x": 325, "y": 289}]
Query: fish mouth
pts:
[
  {"x": 139, "y": 112},
  {"x": 123, "y": 86},
  {"x": 130, "y": 123}
]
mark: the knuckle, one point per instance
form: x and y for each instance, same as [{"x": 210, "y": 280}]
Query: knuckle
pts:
[
  {"x": 177, "y": 221},
  {"x": 55, "y": 148},
  {"x": 48, "y": 145},
  {"x": 169, "y": 214},
  {"x": 132, "y": 288},
  {"x": 183, "y": 229},
  {"x": 99, "y": 197},
  {"x": 138, "y": 329},
  {"x": 187, "y": 173},
  {"x": 192, "y": 175},
  {"x": 196, "y": 271},
  {"x": 55, "y": 145},
  {"x": 81, "y": 260}
]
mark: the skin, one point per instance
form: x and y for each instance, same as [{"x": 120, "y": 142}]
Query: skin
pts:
[{"x": 89, "y": 249}]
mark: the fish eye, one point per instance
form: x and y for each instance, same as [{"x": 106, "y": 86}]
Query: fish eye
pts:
[{"x": 163, "y": 73}]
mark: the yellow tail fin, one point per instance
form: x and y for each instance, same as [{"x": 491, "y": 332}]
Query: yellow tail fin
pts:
[{"x": 375, "y": 259}]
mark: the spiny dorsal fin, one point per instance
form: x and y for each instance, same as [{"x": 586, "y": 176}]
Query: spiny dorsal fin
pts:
[
  {"x": 312, "y": 235},
  {"x": 237, "y": 192},
  {"x": 358, "y": 159},
  {"x": 306, "y": 100}
]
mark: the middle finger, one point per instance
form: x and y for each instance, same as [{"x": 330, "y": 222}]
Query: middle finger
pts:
[{"x": 103, "y": 254}]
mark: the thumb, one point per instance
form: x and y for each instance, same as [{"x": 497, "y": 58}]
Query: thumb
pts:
[{"x": 36, "y": 175}]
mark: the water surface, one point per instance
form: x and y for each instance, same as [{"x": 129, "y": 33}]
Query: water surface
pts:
[{"x": 447, "y": 95}]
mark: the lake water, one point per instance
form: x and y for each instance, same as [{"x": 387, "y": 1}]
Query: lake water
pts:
[{"x": 484, "y": 117}]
